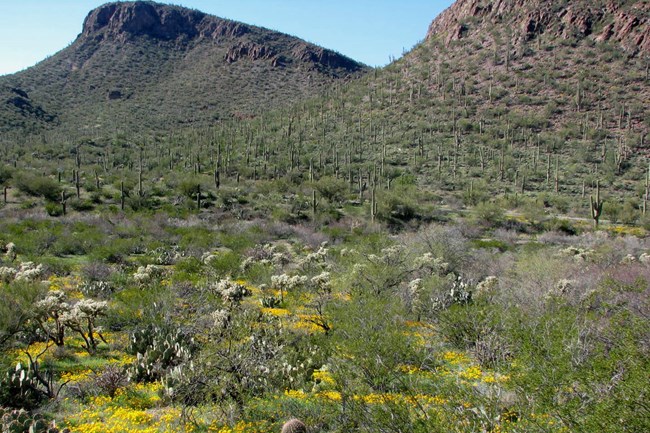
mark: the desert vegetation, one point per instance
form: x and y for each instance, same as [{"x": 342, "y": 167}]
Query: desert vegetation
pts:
[
  {"x": 455, "y": 242},
  {"x": 161, "y": 323}
]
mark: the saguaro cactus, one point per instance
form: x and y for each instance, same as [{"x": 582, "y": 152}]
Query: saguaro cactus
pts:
[
  {"x": 596, "y": 205},
  {"x": 63, "y": 202}
]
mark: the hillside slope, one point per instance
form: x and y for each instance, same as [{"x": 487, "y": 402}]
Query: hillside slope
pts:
[
  {"x": 142, "y": 64},
  {"x": 493, "y": 115}
]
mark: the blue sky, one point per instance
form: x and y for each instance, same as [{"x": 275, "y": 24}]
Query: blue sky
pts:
[{"x": 367, "y": 30}]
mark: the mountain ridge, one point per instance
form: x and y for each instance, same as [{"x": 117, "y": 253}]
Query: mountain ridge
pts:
[{"x": 196, "y": 66}]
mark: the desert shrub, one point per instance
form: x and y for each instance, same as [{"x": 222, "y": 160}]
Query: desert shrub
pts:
[
  {"x": 16, "y": 301},
  {"x": 489, "y": 214},
  {"x": 332, "y": 189},
  {"x": 53, "y": 209},
  {"x": 225, "y": 263},
  {"x": 81, "y": 205},
  {"x": 37, "y": 186}
]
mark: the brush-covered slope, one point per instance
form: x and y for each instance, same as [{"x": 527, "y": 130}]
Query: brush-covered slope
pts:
[
  {"x": 495, "y": 114},
  {"x": 143, "y": 64}
]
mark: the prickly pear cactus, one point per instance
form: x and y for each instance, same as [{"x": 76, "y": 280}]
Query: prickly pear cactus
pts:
[
  {"x": 157, "y": 350},
  {"x": 21, "y": 421}
]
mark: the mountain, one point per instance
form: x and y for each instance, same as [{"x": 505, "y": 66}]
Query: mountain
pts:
[
  {"x": 532, "y": 105},
  {"x": 143, "y": 64}
]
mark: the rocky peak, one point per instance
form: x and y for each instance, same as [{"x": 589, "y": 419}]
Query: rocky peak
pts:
[
  {"x": 622, "y": 21},
  {"x": 125, "y": 20}
]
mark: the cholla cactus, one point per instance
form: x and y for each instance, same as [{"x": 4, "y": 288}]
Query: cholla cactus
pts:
[
  {"x": 415, "y": 296},
  {"x": 487, "y": 286},
  {"x": 561, "y": 288},
  {"x": 322, "y": 282},
  {"x": 145, "y": 274},
  {"x": 280, "y": 259},
  {"x": 82, "y": 317},
  {"x": 7, "y": 274},
  {"x": 389, "y": 255},
  {"x": 208, "y": 258},
  {"x": 220, "y": 318},
  {"x": 433, "y": 264},
  {"x": 628, "y": 260},
  {"x": 285, "y": 283},
  {"x": 49, "y": 313},
  {"x": 266, "y": 255},
  {"x": 315, "y": 258},
  {"x": 246, "y": 264},
  {"x": 644, "y": 258},
  {"x": 230, "y": 291},
  {"x": 29, "y": 272},
  {"x": 415, "y": 287},
  {"x": 578, "y": 254},
  {"x": 10, "y": 253}
]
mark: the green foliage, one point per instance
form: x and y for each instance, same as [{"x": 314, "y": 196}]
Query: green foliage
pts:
[
  {"x": 16, "y": 302},
  {"x": 37, "y": 185},
  {"x": 490, "y": 214}
]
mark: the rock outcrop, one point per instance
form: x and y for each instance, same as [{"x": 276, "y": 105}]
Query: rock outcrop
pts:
[
  {"x": 250, "y": 51},
  {"x": 623, "y": 22}
]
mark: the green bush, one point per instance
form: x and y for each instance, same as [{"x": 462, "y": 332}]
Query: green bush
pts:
[
  {"x": 37, "y": 186},
  {"x": 53, "y": 209}
]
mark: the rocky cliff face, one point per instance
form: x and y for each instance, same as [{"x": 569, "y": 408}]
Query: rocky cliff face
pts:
[
  {"x": 125, "y": 21},
  {"x": 625, "y": 22}
]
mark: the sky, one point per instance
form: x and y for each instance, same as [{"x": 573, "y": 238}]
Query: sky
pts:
[{"x": 370, "y": 31}]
